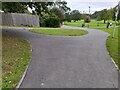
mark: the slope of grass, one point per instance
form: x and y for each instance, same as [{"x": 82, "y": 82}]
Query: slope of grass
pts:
[
  {"x": 15, "y": 57},
  {"x": 60, "y": 32}
]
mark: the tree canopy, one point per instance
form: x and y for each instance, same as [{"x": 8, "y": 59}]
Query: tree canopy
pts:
[
  {"x": 75, "y": 15},
  {"x": 106, "y": 14},
  {"x": 14, "y": 7}
]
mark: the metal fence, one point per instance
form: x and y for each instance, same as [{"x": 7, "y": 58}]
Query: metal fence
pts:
[{"x": 15, "y": 19}]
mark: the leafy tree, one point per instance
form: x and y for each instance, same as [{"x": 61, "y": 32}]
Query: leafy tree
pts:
[
  {"x": 39, "y": 7},
  {"x": 59, "y": 13},
  {"x": 114, "y": 12},
  {"x": 87, "y": 19},
  {"x": 98, "y": 18},
  {"x": 95, "y": 15},
  {"x": 109, "y": 15},
  {"x": 67, "y": 17},
  {"x": 62, "y": 5},
  {"x": 103, "y": 15},
  {"x": 118, "y": 18},
  {"x": 83, "y": 16},
  {"x": 75, "y": 15},
  {"x": 14, "y": 7},
  {"x": 52, "y": 21}
]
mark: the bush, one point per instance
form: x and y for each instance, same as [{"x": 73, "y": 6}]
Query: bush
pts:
[
  {"x": 87, "y": 19},
  {"x": 49, "y": 20},
  {"x": 52, "y": 22},
  {"x": 59, "y": 13},
  {"x": 69, "y": 20},
  {"x": 42, "y": 22}
]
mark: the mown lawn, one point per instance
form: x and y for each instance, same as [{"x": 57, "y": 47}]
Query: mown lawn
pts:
[
  {"x": 92, "y": 24},
  {"x": 60, "y": 32},
  {"x": 16, "y": 55}
]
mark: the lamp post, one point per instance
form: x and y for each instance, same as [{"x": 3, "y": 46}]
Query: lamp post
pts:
[
  {"x": 89, "y": 10},
  {"x": 116, "y": 14},
  {"x": 89, "y": 16}
]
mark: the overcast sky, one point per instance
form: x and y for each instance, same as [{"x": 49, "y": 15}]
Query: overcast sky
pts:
[{"x": 96, "y": 5}]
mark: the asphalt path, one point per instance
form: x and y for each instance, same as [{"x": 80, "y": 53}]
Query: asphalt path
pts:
[{"x": 68, "y": 61}]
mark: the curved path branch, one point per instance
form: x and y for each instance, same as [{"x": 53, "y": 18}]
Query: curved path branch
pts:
[{"x": 68, "y": 62}]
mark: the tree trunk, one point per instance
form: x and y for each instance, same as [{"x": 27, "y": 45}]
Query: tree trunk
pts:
[{"x": 104, "y": 20}]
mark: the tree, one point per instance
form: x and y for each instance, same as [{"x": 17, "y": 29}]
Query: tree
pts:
[
  {"x": 98, "y": 19},
  {"x": 59, "y": 13},
  {"x": 118, "y": 18},
  {"x": 62, "y": 5},
  {"x": 75, "y": 15},
  {"x": 67, "y": 17},
  {"x": 108, "y": 15},
  {"x": 101, "y": 14},
  {"x": 87, "y": 19},
  {"x": 14, "y": 7},
  {"x": 95, "y": 15},
  {"x": 39, "y": 7}
]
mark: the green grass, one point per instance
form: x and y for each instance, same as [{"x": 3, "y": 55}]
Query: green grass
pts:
[
  {"x": 60, "y": 32},
  {"x": 16, "y": 55},
  {"x": 92, "y": 24}
]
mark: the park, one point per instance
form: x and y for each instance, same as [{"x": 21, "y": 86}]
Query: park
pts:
[{"x": 51, "y": 45}]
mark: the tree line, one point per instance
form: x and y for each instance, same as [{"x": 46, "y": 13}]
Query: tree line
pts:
[
  {"x": 52, "y": 14},
  {"x": 98, "y": 15},
  {"x": 106, "y": 14}
]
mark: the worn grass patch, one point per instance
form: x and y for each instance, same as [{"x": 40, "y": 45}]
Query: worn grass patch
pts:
[
  {"x": 60, "y": 32},
  {"x": 15, "y": 57}
]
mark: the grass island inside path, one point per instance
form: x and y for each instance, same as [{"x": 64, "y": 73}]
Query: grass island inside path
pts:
[{"x": 59, "y": 32}]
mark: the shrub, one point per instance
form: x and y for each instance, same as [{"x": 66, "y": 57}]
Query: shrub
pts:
[
  {"x": 59, "y": 13},
  {"x": 52, "y": 22},
  {"x": 42, "y": 22},
  {"x": 49, "y": 20},
  {"x": 87, "y": 19}
]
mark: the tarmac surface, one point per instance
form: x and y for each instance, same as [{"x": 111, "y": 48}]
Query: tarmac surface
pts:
[{"x": 68, "y": 61}]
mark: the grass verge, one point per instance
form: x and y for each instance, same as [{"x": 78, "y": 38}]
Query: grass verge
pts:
[
  {"x": 15, "y": 57},
  {"x": 60, "y": 32}
]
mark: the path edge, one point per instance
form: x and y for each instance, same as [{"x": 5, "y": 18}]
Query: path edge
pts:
[{"x": 25, "y": 72}]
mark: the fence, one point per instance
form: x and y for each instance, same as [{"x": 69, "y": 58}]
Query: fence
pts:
[{"x": 14, "y": 19}]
